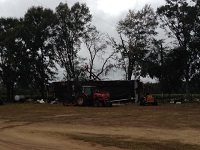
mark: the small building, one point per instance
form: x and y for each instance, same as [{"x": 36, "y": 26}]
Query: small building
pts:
[{"x": 130, "y": 90}]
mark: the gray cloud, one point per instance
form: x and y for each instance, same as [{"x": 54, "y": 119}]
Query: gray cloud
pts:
[{"x": 102, "y": 20}]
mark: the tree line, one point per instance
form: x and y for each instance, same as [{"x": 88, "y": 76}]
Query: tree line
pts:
[{"x": 33, "y": 47}]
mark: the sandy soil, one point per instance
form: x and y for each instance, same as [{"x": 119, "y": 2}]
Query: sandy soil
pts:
[
  {"x": 46, "y": 135},
  {"x": 54, "y": 127},
  {"x": 20, "y": 136}
]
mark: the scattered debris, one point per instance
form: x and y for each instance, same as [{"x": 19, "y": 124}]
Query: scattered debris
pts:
[
  {"x": 29, "y": 100},
  {"x": 40, "y": 101},
  {"x": 54, "y": 102},
  {"x": 196, "y": 100},
  {"x": 178, "y": 103},
  {"x": 172, "y": 101},
  {"x": 17, "y": 97}
]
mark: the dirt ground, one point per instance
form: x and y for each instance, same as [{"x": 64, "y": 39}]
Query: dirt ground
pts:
[{"x": 55, "y": 127}]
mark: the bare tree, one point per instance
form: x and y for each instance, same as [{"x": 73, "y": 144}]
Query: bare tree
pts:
[{"x": 99, "y": 48}]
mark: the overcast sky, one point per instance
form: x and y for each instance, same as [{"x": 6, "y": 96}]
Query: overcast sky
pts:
[{"x": 106, "y": 13}]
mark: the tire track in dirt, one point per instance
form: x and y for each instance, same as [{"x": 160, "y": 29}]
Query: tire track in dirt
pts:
[
  {"x": 5, "y": 144},
  {"x": 16, "y": 136},
  {"x": 13, "y": 126}
]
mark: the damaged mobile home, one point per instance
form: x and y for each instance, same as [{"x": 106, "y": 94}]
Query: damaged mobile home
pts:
[{"x": 97, "y": 93}]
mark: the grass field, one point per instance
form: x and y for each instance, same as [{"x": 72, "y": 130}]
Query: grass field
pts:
[
  {"x": 176, "y": 96},
  {"x": 167, "y": 126}
]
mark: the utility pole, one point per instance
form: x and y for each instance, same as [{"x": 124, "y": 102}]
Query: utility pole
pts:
[{"x": 162, "y": 71}]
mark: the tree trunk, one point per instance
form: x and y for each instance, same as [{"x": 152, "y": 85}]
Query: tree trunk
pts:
[
  {"x": 9, "y": 92},
  {"x": 187, "y": 86},
  {"x": 42, "y": 91},
  {"x": 187, "y": 89},
  {"x": 42, "y": 75},
  {"x": 130, "y": 69},
  {"x": 129, "y": 73}
]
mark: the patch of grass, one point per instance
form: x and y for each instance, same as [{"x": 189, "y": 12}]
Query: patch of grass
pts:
[
  {"x": 132, "y": 144},
  {"x": 178, "y": 96},
  {"x": 164, "y": 116}
]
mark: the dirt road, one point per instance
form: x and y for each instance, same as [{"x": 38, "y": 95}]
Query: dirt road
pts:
[
  {"x": 39, "y": 136},
  {"x": 96, "y": 132},
  {"x": 23, "y": 136}
]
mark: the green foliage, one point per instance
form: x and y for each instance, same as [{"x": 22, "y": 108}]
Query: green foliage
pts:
[
  {"x": 71, "y": 23},
  {"x": 138, "y": 28},
  {"x": 38, "y": 24},
  {"x": 182, "y": 19},
  {"x": 32, "y": 46},
  {"x": 10, "y": 64}
]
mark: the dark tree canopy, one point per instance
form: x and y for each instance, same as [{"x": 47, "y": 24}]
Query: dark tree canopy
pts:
[
  {"x": 137, "y": 28},
  {"x": 10, "y": 63},
  {"x": 38, "y": 24},
  {"x": 180, "y": 19},
  {"x": 32, "y": 47},
  {"x": 72, "y": 23}
]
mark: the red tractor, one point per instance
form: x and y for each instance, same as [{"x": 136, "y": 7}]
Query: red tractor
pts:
[{"x": 90, "y": 96}]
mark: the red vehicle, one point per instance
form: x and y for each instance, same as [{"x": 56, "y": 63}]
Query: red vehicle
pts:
[
  {"x": 90, "y": 95},
  {"x": 72, "y": 93}
]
